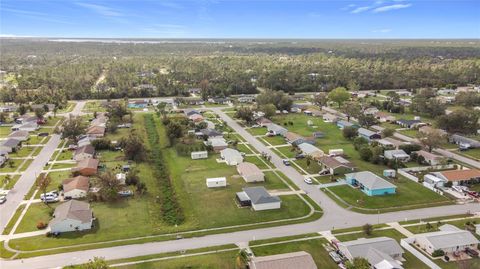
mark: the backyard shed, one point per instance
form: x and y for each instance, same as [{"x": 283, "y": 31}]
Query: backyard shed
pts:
[
  {"x": 199, "y": 155},
  {"x": 216, "y": 182}
]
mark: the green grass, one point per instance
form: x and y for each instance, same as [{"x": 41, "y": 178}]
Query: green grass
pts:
[
  {"x": 62, "y": 165},
  {"x": 257, "y": 160},
  {"x": 435, "y": 219},
  {"x": 13, "y": 220},
  {"x": 312, "y": 246},
  {"x": 257, "y": 131},
  {"x": 285, "y": 238},
  {"x": 38, "y": 212},
  {"x": 272, "y": 181},
  {"x": 15, "y": 165},
  {"x": 410, "y": 132},
  {"x": 472, "y": 153},
  {"x": 7, "y": 185},
  {"x": 408, "y": 193},
  {"x": 57, "y": 179},
  {"x": 5, "y": 131},
  {"x": 4, "y": 253},
  {"x": 22, "y": 152},
  {"x": 313, "y": 168},
  {"x": 64, "y": 155},
  {"x": 392, "y": 233},
  {"x": 275, "y": 140},
  {"x": 93, "y": 106},
  {"x": 286, "y": 151},
  {"x": 422, "y": 228},
  {"x": 53, "y": 121}
]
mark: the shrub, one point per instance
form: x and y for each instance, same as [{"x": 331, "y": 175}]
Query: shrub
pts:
[
  {"x": 438, "y": 253},
  {"x": 41, "y": 225}
]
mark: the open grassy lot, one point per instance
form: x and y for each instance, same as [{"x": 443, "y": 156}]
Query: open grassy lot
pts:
[
  {"x": 34, "y": 140},
  {"x": 38, "y": 212},
  {"x": 57, "y": 179},
  {"x": 275, "y": 140},
  {"x": 140, "y": 215},
  {"x": 52, "y": 121},
  {"x": 92, "y": 106},
  {"x": 5, "y": 131},
  {"x": 257, "y": 131},
  {"x": 409, "y": 132},
  {"x": 62, "y": 165},
  {"x": 64, "y": 155},
  {"x": 408, "y": 193},
  {"x": 312, "y": 246},
  {"x": 392, "y": 233},
  {"x": 472, "y": 153},
  {"x": 312, "y": 168},
  {"x": 287, "y": 151},
  {"x": 22, "y": 152},
  {"x": 258, "y": 161},
  {"x": 13, "y": 220}
]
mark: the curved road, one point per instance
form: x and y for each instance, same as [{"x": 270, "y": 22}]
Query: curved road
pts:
[{"x": 334, "y": 217}]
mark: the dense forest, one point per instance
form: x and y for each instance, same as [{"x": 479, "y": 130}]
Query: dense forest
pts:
[{"x": 44, "y": 70}]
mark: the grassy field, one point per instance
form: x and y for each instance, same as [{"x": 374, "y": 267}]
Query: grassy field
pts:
[
  {"x": 287, "y": 151},
  {"x": 408, "y": 193},
  {"x": 38, "y": 212},
  {"x": 434, "y": 225},
  {"x": 93, "y": 106},
  {"x": 140, "y": 215},
  {"x": 7, "y": 185},
  {"x": 209, "y": 261},
  {"x": 313, "y": 246},
  {"x": 257, "y": 131},
  {"x": 275, "y": 140},
  {"x": 410, "y": 132}
]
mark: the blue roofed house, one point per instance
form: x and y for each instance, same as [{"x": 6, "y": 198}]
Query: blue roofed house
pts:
[
  {"x": 370, "y": 184},
  {"x": 138, "y": 104},
  {"x": 343, "y": 123},
  {"x": 367, "y": 134}
]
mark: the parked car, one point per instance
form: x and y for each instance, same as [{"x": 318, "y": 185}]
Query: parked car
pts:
[
  {"x": 43, "y": 134},
  {"x": 473, "y": 194},
  {"x": 125, "y": 193},
  {"x": 49, "y": 194},
  {"x": 299, "y": 156},
  {"x": 286, "y": 162},
  {"x": 50, "y": 199},
  {"x": 3, "y": 199},
  {"x": 308, "y": 180},
  {"x": 471, "y": 252}
]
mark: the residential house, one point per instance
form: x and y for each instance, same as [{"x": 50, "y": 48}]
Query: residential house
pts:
[
  {"x": 250, "y": 172},
  {"x": 258, "y": 198},
  {"x": 138, "y": 104},
  {"x": 11, "y": 145},
  {"x": 84, "y": 141},
  {"x": 395, "y": 142},
  {"x": 292, "y": 260},
  {"x": 8, "y": 108},
  {"x": 370, "y": 184},
  {"x": 276, "y": 129},
  {"x": 384, "y": 117},
  {"x": 147, "y": 87},
  {"x": 342, "y": 124},
  {"x": 310, "y": 150},
  {"x": 296, "y": 139},
  {"x": 449, "y": 239},
  {"x": 463, "y": 141},
  {"x": 371, "y": 111},
  {"x": 404, "y": 93},
  {"x": 367, "y": 134},
  {"x": 3, "y": 156},
  {"x": 246, "y": 99},
  {"x": 263, "y": 121},
  {"x": 84, "y": 152},
  {"x": 219, "y": 100},
  {"x": 96, "y": 131},
  {"x": 385, "y": 144},
  {"x": 210, "y": 125},
  {"x": 87, "y": 167},
  {"x": 76, "y": 187},
  {"x": 430, "y": 158},
  {"x": 217, "y": 143},
  {"x": 329, "y": 117},
  {"x": 193, "y": 101},
  {"x": 446, "y": 92},
  {"x": 195, "y": 155},
  {"x": 231, "y": 156},
  {"x": 19, "y": 135},
  {"x": 428, "y": 129},
  {"x": 189, "y": 112},
  {"x": 380, "y": 252},
  {"x": 318, "y": 134},
  {"x": 210, "y": 133},
  {"x": 28, "y": 126},
  {"x": 196, "y": 118},
  {"x": 459, "y": 177},
  {"x": 194, "y": 91},
  {"x": 335, "y": 165},
  {"x": 396, "y": 154},
  {"x": 410, "y": 123},
  {"x": 72, "y": 216}
]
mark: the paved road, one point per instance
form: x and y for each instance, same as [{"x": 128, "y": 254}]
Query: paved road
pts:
[
  {"x": 334, "y": 217},
  {"x": 27, "y": 179}
]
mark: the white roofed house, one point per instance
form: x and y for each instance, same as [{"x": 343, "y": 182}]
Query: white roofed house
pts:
[
  {"x": 217, "y": 143},
  {"x": 396, "y": 154},
  {"x": 430, "y": 158},
  {"x": 380, "y": 252},
  {"x": 72, "y": 216},
  {"x": 449, "y": 239},
  {"x": 10, "y": 145},
  {"x": 250, "y": 172},
  {"x": 311, "y": 150},
  {"x": 371, "y": 111},
  {"x": 231, "y": 156},
  {"x": 276, "y": 129}
]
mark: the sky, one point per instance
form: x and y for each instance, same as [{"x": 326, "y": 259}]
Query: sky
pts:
[{"x": 241, "y": 18}]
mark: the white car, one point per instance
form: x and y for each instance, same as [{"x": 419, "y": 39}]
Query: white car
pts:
[
  {"x": 3, "y": 199},
  {"x": 50, "y": 199},
  {"x": 308, "y": 180},
  {"x": 53, "y": 194}
]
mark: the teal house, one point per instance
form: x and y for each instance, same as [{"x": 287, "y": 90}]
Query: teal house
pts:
[{"x": 370, "y": 184}]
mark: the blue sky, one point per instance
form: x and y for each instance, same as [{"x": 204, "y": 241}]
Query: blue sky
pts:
[{"x": 241, "y": 19}]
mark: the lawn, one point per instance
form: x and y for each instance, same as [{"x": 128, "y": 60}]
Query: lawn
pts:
[
  {"x": 65, "y": 155},
  {"x": 62, "y": 165},
  {"x": 409, "y": 193},
  {"x": 287, "y": 151},
  {"x": 5, "y": 131},
  {"x": 312, "y": 168},
  {"x": 275, "y": 140},
  {"x": 7, "y": 185},
  {"x": 93, "y": 106},
  {"x": 22, "y": 152},
  {"x": 140, "y": 216},
  {"x": 34, "y": 140},
  {"x": 14, "y": 165},
  {"x": 257, "y": 131},
  {"x": 272, "y": 181},
  {"x": 392, "y": 233},
  {"x": 312, "y": 246},
  {"x": 56, "y": 180},
  {"x": 473, "y": 153},
  {"x": 410, "y": 132},
  {"x": 257, "y": 160},
  {"x": 422, "y": 228},
  {"x": 38, "y": 212},
  {"x": 52, "y": 121}
]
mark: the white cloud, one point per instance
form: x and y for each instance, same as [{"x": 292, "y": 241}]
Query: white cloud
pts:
[
  {"x": 391, "y": 7},
  {"x": 360, "y": 9},
  {"x": 383, "y": 31},
  {"x": 102, "y": 10}
]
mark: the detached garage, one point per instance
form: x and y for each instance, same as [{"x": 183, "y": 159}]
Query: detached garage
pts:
[
  {"x": 199, "y": 155},
  {"x": 216, "y": 182},
  {"x": 250, "y": 172}
]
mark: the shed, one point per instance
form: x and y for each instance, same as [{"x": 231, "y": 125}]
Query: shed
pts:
[
  {"x": 216, "y": 182},
  {"x": 199, "y": 155},
  {"x": 389, "y": 173},
  {"x": 335, "y": 152}
]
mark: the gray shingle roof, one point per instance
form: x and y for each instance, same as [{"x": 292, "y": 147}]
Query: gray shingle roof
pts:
[
  {"x": 370, "y": 180},
  {"x": 259, "y": 195},
  {"x": 449, "y": 236},
  {"x": 11, "y": 143},
  {"x": 294, "y": 260},
  {"x": 73, "y": 209},
  {"x": 363, "y": 248}
]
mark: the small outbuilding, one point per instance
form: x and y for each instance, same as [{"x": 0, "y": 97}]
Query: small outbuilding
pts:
[
  {"x": 216, "y": 182},
  {"x": 195, "y": 155}
]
